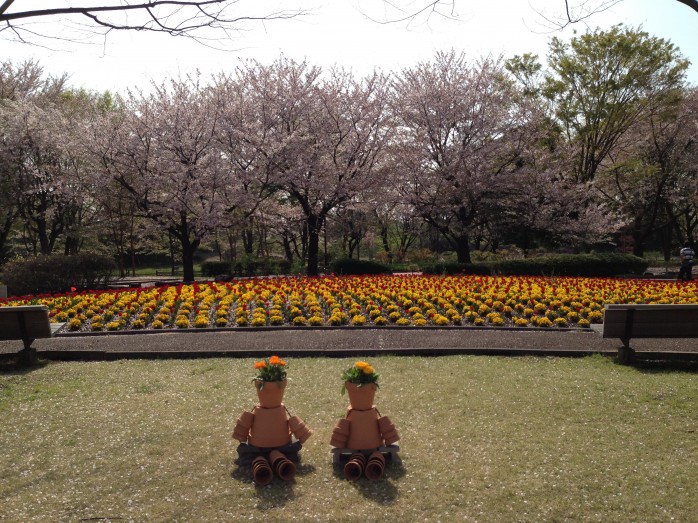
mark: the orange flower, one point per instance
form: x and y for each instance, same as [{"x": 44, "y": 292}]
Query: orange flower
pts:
[
  {"x": 260, "y": 365},
  {"x": 275, "y": 360}
]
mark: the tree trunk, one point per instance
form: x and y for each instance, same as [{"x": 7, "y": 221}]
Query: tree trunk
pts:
[
  {"x": 248, "y": 241},
  {"x": 173, "y": 264},
  {"x": 386, "y": 243},
  {"x": 638, "y": 245},
  {"x": 4, "y": 232},
  {"x": 188, "y": 248},
  {"x": 462, "y": 248},
  {"x": 288, "y": 252},
  {"x": 314, "y": 224},
  {"x": 42, "y": 234},
  {"x": 232, "y": 246},
  {"x": 72, "y": 245}
]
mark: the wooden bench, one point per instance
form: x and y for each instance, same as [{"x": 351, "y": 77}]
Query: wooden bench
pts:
[
  {"x": 648, "y": 321},
  {"x": 26, "y": 323}
]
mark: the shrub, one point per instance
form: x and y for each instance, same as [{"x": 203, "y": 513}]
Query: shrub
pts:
[
  {"x": 351, "y": 266},
  {"x": 215, "y": 268},
  {"x": 57, "y": 273},
  {"x": 250, "y": 266},
  {"x": 457, "y": 268},
  {"x": 588, "y": 265}
]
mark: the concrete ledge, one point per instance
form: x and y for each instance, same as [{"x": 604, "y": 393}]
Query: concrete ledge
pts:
[{"x": 97, "y": 355}]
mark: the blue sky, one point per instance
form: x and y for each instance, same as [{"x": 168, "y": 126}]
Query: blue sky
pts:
[{"x": 338, "y": 32}]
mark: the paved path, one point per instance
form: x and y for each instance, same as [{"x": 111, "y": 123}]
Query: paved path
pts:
[{"x": 340, "y": 342}]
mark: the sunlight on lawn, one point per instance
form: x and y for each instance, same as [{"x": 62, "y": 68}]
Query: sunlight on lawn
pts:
[{"x": 483, "y": 439}]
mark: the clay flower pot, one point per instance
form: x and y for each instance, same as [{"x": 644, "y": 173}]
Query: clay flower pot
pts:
[
  {"x": 363, "y": 433},
  {"x": 270, "y": 428},
  {"x": 340, "y": 434},
  {"x": 242, "y": 427},
  {"x": 361, "y": 398},
  {"x": 299, "y": 429},
  {"x": 283, "y": 466},
  {"x": 354, "y": 468},
  {"x": 375, "y": 466},
  {"x": 261, "y": 471},
  {"x": 270, "y": 393},
  {"x": 388, "y": 430}
]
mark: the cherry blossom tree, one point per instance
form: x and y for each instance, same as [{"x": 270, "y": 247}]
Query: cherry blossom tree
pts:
[
  {"x": 655, "y": 184},
  {"x": 42, "y": 183},
  {"x": 461, "y": 129},
  {"x": 162, "y": 149},
  {"x": 244, "y": 138},
  {"x": 324, "y": 136},
  {"x": 24, "y": 91}
]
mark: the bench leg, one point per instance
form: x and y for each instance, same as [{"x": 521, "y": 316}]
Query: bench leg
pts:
[
  {"x": 626, "y": 355},
  {"x": 27, "y": 356}
]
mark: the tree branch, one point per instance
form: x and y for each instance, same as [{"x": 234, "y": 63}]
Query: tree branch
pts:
[
  {"x": 105, "y": 8},
  {"x": 693, "y": 4},
  {"x": 173, "y": 17}
]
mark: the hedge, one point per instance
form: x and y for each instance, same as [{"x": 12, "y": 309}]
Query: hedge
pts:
[
  {"x": 57, "y": 273},
  {"x": 457, "y": 268},
  {"x": 216, "y": 268},
  {"x": 351, "y": 266},
  {"x": 588, "y": 265}
]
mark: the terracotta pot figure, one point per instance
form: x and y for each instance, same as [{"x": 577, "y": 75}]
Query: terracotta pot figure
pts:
[
  {"x": 266, "y": 433},
  {"x": 363, "y": 432}
]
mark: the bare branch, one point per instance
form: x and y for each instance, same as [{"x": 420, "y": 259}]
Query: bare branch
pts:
[
  {"x": 190, "y": 18},
  {"x": 575, "y": 13},
  {"x": 441, "y": 8},
  {"x": 5, "y": 6},
  {"x": 581, "y": 11}
]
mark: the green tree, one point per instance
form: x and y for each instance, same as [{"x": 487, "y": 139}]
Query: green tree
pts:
[{"x": 605, "y": 82}]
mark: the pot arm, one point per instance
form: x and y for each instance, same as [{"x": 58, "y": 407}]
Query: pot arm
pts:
[
  {"x": 241, "y": 432},
  {"x": 387, "y": 430},
  {"x": 340, "y": 434},
  {"x": 299, "y": 429}
]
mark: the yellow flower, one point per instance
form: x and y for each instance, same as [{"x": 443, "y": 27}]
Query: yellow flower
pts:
[
  {"x": 361, "y": 365},
  {"x": 367, "y": 369}
]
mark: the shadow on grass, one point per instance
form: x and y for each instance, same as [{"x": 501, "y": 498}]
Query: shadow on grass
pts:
[
  {"x": 687, "y": 363},
  {"x": 665, "y": 367},
  {"x": 278, "y": 493},
  {"x": 13, "y": 365},
  {"x": 383, "y": 491}
]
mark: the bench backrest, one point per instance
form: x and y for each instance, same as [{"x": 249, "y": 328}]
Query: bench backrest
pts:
[
  {"x": 36, "y": 322},
  {"x": 651, "y": 321}
]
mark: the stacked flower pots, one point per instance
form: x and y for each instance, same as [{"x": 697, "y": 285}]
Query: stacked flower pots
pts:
[
  {"x": 266, "y": 433},
  {"x": 363, "y": 438}
]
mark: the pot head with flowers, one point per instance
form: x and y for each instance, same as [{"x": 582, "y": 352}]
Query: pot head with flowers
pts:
[
  {"x": 360, "y": 374},
  {"x": 270, "y": 381},
  {"x": 361, "y": 382},
  {"x": 272, "y": 369}
]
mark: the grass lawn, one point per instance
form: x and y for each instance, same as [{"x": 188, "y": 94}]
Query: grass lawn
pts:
[{"x": 483, "y": 439}]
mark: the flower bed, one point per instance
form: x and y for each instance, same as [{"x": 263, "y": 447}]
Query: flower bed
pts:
[{"x": 419, "y": 301}]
